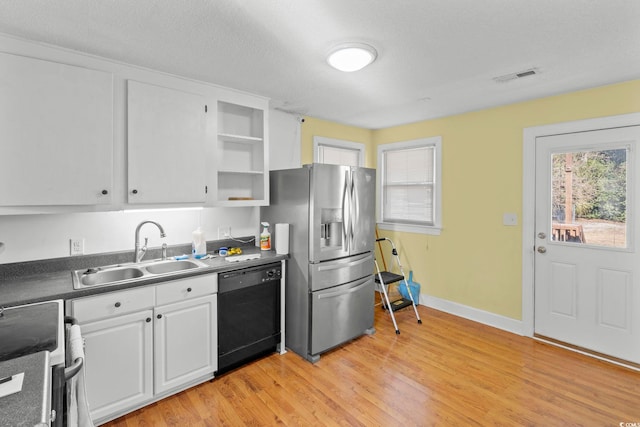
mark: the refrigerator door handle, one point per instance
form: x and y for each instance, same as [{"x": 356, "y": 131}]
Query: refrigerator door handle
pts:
[
  {"x": 355, "y": 208},
  {"x": 346, "y": 208}
]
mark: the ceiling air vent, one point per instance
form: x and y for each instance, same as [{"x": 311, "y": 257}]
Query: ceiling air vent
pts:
[{"x": 515, "y": 76}]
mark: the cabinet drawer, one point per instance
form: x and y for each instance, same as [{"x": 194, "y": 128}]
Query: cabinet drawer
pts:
[
  {"x": 180, "y": 290},
  {"x": 113, "y": 304}
]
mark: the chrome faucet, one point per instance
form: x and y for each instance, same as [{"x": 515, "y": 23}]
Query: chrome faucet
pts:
[{"x": 139, "y": 253}]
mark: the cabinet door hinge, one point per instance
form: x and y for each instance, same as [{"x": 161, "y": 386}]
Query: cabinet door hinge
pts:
[
  {"x": 205, "y": 108},
  {"x": 206, "y": 189}
]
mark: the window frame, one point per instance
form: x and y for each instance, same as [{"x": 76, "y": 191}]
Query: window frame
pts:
[
  {"x": 322, "y": 141},
  {"x": 436, "y": 228}
]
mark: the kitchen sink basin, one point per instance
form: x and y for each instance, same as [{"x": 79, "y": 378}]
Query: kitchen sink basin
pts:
[
  {"x": 128, "y": 273},
  {"x": 170, "y": 266},
  {"x": 101, "y": 277}
]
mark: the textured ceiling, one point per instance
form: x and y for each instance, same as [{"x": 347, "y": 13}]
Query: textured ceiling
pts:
[{"x": 435, "y": 57}]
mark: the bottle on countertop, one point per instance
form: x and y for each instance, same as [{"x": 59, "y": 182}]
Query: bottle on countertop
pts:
[
  {"x": 265, "y": 238},
  {"x": 199, "y": 243}
]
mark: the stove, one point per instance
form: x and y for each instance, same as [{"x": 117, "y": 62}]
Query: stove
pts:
[
  {"x": 27, "y": 331},
  {"x": 33, "y": 328}
]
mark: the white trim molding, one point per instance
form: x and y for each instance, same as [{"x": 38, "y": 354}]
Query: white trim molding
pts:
[
  {"x": 485, "y": 317},
  {"x": 528, "y": 195}
]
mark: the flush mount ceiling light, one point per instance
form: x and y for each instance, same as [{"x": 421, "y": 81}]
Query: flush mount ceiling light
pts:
[{"x": 350, "y": 57}]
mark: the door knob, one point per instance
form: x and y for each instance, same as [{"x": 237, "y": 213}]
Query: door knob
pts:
[{"x": 542, "y": 249}]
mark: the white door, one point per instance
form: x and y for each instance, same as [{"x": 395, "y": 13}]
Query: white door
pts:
[{"x": 587, "y": 274}]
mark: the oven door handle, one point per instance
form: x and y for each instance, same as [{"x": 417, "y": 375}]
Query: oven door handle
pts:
[{"x": 76, "y": 346}]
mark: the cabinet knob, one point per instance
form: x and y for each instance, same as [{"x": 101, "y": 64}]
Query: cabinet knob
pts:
[
  {"x": 148, "y": 319},
  {"x": 105, "y": 192},
  {"x": 159, "y": 316},
  {"x": 117, "y": 304},
  {"x": 134, "y": 191},
  {"x": 188, "y": 289}
]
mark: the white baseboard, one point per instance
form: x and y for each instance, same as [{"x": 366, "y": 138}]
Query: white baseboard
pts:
[{"x": 497, "y": 321}]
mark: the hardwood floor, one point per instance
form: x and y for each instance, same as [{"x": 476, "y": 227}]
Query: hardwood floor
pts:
[{"x": 448, "y": 371}]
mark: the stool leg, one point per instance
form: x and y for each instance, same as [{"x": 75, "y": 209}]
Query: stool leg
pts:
[{"x": 386, "y": 301}]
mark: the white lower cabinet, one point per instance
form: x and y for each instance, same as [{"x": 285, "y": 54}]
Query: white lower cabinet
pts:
[
  {"x": 146, "y": 343},
  {"x": 119, "y": 363},
  {"x": 184, "y": 352}
]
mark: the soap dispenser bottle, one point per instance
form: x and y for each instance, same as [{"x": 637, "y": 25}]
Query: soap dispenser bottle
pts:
[
  {"x": 265, "y": 238},
  {"x": 199, "y": 244}
]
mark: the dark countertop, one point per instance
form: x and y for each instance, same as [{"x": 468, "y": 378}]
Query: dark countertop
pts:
[
  {"x": 30, "y": 406},
  {"x": 44, "y": 285}
]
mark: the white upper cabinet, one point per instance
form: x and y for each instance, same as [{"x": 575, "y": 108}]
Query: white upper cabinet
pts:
[
  {"x": 165, "y": 145},
  {"x": 242, "y": 177},
  {"x": 56, "y": 133},
  {"x": 82, "y": 133}
]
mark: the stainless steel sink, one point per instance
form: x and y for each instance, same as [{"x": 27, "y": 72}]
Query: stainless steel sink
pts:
[
  {"x": 128, "y": 273},
  {"x": 170, "y": 266},
  {"x": 101, "y": 277}
]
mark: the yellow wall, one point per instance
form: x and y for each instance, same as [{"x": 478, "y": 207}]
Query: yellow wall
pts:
[
  {"x": 316, "y": 127},
  {"x": 477, "y": 261}
]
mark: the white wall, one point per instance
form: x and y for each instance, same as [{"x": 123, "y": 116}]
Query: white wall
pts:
[{"x": 33, "y": 237}]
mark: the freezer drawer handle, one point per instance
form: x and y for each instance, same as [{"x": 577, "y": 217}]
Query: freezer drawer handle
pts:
[
  {"x": 341, "y": 266},
  {"x": 348, "y": 291}
]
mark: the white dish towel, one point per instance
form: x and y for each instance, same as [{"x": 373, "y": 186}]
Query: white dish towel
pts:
[{"x": 78, "y": 414}]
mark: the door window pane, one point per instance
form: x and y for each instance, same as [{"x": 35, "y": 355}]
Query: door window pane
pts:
[{"x": 589, "y": 197}]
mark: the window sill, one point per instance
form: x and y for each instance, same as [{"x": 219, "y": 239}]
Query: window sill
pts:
[{"x": 418, "y": 229}]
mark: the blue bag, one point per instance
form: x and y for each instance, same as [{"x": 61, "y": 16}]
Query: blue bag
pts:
[{"x": 413, "y": 286}]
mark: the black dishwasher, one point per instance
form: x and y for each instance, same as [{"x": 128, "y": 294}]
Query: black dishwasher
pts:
[{"x": 248, "y": 314}]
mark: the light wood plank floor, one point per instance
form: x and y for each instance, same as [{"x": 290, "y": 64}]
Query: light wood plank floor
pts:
[{"x": 448, "y": 371}]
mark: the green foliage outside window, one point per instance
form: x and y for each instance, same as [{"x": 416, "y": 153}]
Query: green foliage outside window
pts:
[{"x": 599, "y": 184}]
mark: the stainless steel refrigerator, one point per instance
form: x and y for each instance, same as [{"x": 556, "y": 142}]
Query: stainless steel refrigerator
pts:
[{"x": 329, "y": 284}]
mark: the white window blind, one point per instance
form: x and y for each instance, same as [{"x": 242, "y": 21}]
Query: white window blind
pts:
[
  {"x": 338, "y": 152},
  {"x": 338, "y": 156},
  {"x": 409, "y": 185}
]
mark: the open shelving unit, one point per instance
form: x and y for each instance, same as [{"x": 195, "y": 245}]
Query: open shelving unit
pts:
[{"x": 242, "y": 172}]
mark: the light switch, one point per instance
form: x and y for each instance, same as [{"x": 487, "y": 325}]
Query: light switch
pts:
[{"x": 509, "y": 219}]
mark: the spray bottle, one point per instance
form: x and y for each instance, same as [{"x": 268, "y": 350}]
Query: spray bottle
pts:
[{"x": 265, "y": 238}]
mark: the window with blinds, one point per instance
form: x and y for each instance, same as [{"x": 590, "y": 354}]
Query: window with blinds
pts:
[
  {"x": 337, "y": 152},
  {"x": 410, "y": 185}
]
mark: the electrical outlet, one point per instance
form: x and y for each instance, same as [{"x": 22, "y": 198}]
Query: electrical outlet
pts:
[
  {"x": 224, "y": 231},
  {"x": 76, "y": 247}
]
